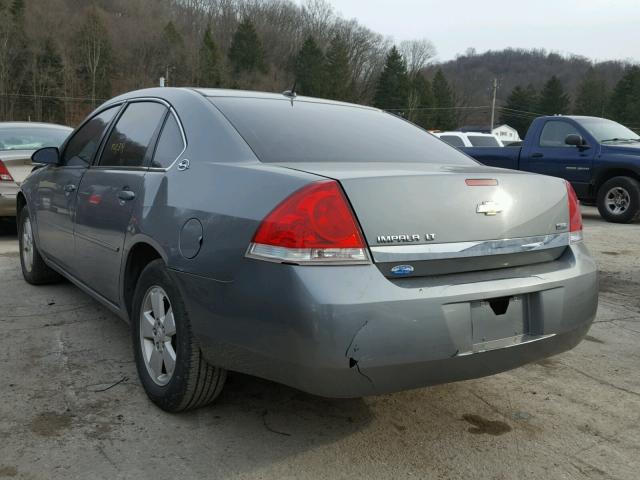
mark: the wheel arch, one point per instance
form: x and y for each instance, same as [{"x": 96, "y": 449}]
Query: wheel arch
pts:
[
  {"x": 139, "y": 255},
  {"x": 21, "y": 202},
  {"x": 610, "y": 173}
]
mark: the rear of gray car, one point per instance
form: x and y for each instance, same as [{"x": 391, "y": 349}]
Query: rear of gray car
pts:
[{"x": 330, "y": 247}]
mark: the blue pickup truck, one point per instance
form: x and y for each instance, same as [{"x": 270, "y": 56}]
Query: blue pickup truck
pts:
[{"x": 600, "y": 157}]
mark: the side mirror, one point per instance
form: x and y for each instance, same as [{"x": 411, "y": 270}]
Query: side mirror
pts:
[
  {"x": 46, "y": 156},
  {"x": 574, "y": 140}
]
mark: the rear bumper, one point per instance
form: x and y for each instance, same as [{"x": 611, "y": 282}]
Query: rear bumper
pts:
[
  {"x": 7, "y": 202},
  {"x": 349, "y": 331}
]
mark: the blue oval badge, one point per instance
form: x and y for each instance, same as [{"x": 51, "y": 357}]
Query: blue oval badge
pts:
[{"x": 402, "y": 270}]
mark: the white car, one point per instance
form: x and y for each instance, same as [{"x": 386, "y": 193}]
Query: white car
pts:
[{"x": 469, "y": 139}]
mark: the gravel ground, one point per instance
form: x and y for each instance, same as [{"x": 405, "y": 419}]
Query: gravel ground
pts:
[{"x": 71, "y": 406}]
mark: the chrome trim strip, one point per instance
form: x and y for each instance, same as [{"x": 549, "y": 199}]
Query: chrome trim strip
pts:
[
  {"x": 505, "y": 343},
  {"x": 443, "y": 251}
]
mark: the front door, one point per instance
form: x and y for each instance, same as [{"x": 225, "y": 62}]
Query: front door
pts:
[
  {"x": 552, "y": 156},
  {"x": 58, "y": 187},
  {"x": 110, "y": 195}
]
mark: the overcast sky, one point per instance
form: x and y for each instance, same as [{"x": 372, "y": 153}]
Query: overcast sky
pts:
[{"x": 597, "y": 29}]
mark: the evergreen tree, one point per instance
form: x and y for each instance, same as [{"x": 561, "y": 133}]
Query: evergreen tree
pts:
[
  {"x": 174, "y": 67},
  {"x": 553, "y": 99},
  {"x": 519, "y": 110},
  {"x": 246, "y": 53},
  {"x": 625, "y": 99},
  {"x": 338, "y": 71},
  {"x": 444, "y": 114},
  {"x": 209, "y": 61},
  {"x": 309, "y": 69},
  {"x": 421, "y": 101},
  {"x": 392, "y": 90},
  {"x": 592, "y": 95},
  {"x": 47, "y": 82}
]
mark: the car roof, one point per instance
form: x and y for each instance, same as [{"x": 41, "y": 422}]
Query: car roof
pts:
[
  {"x": 33, "y": 124},
  {"x": 165, "y": 92}
]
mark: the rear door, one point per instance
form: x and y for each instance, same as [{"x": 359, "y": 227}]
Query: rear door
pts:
[
  {"x": 57, "y": 190},
  {"x": 111, "y": 191},
  {"x": 550, "y": 155}
]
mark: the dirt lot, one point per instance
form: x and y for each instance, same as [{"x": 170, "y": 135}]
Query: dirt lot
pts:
[{"x": 71, "y": 406}]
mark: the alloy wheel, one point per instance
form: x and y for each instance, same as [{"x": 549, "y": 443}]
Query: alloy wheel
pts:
[
  {"x": 617, "y": 200},
  {"x": 158, "y": 335},
  {"x": 27, "y": 245}
]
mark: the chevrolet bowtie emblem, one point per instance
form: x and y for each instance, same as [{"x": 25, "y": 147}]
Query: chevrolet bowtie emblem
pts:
[{"x": 489, "y": 208}]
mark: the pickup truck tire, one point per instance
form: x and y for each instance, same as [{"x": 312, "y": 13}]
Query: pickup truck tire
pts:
[
  {"x": 34, "y": 270},
  {"x": 170, "y": 364},
  {"x": 619, "y": 200}
]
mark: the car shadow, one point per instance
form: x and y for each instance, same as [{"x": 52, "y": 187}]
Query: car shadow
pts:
[{"x": 8, "y": 228}]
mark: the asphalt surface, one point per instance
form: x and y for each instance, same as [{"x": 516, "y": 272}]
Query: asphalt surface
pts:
[{"x": 71, "y": 406}]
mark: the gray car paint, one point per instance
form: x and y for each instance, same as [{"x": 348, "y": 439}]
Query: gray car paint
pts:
[{"x": 330, "y": 330}]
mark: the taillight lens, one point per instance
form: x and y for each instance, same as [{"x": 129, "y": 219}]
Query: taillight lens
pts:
[
  {"x": 575, "y": 216},
  {"x": 314, "y": 225},
  {"x": 5, "y": 176}
]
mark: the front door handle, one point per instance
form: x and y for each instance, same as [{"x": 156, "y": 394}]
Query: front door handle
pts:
[
  {"x": 537, "y": 155},
  {"x": 69, "y": 188},
  {"x": 126, "y": 195}
]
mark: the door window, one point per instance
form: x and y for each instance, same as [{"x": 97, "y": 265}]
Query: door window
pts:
[
  {"x": 130, "y": 143},
  {"x": 452, "y": 140},
  {"x": 170, "y": 144},
  {"x": 555, "y": 132},
  {"x": 83, "y": 145}
]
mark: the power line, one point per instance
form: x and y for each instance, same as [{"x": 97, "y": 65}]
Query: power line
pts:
[{"x": 54, "y": 97}]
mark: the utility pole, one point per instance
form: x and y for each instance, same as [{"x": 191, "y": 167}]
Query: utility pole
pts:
[{"x": 493, "y": 103}]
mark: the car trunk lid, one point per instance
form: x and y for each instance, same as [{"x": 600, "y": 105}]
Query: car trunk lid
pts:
[
  {"x": 18, "y": 164},
  {"x": 421, "y": 219}
]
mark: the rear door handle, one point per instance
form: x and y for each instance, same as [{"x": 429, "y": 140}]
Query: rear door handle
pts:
[
  {"x": 126, "y": 195},
  {"x": 537, "y": 155}
]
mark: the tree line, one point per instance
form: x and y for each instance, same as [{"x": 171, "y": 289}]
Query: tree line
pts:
[
  {"x": 592, "y": 98},
  {"x": 61, "y": 58}
]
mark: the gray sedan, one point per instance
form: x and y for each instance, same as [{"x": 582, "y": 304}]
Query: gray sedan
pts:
[
  {"x": 331, "y": 247},
  {"x": 18, "y": 141}
]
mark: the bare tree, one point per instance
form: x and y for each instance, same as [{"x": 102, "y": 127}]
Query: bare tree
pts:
[{"x": 417, "y": 54}]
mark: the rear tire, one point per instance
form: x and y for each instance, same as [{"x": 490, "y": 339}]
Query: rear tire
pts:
[
  {"x": 34, "y": 270},
  {"x": 172, "y": 369},
  {"x": 619, "y": 200}
]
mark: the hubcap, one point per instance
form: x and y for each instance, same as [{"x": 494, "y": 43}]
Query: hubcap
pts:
[
  {"x": 158, "y": 335},
  {"x": 27, "y": 245},
  {"x": 617, "y": 200}
]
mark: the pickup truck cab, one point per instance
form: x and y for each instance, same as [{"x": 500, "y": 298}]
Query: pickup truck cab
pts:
[{"x": 599, "y": 157}]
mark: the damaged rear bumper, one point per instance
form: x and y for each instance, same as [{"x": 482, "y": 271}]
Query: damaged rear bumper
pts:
[{"x": 349, "y": 331}]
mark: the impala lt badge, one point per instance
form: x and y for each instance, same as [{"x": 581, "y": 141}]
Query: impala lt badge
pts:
[
  {"x": 406, "y": 238},
  {"x": 489, "y": 208}
]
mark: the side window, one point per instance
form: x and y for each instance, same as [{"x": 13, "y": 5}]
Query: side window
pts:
[
  {"x": 555, "y": 132},
  {"x": 84, "y": 144},
  {"x": 130, "y": 142},
  {"x": 452, "y": 140},
  {"x": 170, "y": 144}
]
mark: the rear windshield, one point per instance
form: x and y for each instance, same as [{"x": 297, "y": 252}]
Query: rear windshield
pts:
[
  {"x": 31, "y": 138},
  {"x": 483, "y": 141},
  {"x": 279, "y": 131}
]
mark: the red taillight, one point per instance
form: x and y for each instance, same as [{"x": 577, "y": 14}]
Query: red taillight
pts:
[
  {"x": 575, "y": 216},
  {"x": 313, "y": 225},
  {"x": 5, "y": 176}
]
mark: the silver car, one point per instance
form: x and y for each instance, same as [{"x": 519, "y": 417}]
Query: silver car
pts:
[
  {"x": 18, "y": 141},
  {"x": 331, "y": 247}
]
